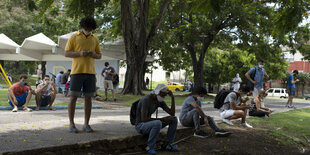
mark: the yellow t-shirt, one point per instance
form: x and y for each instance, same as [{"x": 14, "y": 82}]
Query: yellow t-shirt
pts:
[{"x": 78, "y": 42}]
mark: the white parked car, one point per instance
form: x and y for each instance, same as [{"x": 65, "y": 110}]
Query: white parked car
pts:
[{"x": 277, "y": 92}]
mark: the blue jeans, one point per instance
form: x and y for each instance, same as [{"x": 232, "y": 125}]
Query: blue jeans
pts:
[{"x": 153, "y": 129}]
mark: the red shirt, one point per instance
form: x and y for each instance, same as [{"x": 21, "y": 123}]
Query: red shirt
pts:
[{"x": 19, "y": 90}]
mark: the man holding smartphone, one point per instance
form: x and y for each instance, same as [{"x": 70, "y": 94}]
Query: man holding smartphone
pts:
[
  {"x": 235, "y": 107},
  {"x": 291, "y": 87},
  {"x": 19, "y": 94},
  {"x": 84, "y": 48},
  {"x": 108, "y": 72},
  {"x": 46, "y": 93}
]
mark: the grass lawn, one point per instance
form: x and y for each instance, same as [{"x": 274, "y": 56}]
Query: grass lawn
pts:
[
  {"x": 154, "y": 83},
  {"x": 30, "y": 79},
  {"x": 128, "y": 99},
  {"x": 4, "y": 99},
  {"x": 290, "y": 127}
]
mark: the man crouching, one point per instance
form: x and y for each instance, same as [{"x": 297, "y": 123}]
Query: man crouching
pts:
[
  {"x": 46, "y": 94},
  {"x": 145, "y": 124}
]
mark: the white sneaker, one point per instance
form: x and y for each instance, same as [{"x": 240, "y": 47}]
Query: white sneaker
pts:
[
  {"x": 228, "y": 122},
  {"x": 246, "y": 125}
]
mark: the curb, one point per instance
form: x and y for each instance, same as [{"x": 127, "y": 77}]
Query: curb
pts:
[
  {"x": 106, "y": 146},
  {"x": 46, "y": 107}
]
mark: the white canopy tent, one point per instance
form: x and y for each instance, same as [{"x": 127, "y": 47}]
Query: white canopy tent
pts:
[
  {"x": 9, "y": 50},
  {"x": 117, "y": 49},
  {"x": 41, "y": 48}
]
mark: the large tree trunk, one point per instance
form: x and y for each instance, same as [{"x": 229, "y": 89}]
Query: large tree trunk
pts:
[
  {"x": 43, "y": 69},
  {"x": 135, "y": 45},
  {"x": 137, "y": 41},
  {"x": 133, "y": 79},
  {"x": 198, "y": 74}
]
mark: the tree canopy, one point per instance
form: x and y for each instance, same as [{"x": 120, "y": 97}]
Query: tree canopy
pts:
[
  {"x": 195, "y": 35},
  {"x": 261, "y": 28}
]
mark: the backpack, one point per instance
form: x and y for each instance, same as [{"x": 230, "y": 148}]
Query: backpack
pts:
[
  {"x": 250, "y": 84},
  {"x": 115, "y": 79},
  {"x": 220, "y": 98},
  {"x": 133, "y": 112}
]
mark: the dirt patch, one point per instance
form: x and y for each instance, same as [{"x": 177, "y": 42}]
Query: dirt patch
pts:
[{"x": 242, "y": 141}]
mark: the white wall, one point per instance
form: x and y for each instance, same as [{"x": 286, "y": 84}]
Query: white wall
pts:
[
  {"x": 56, "y": 66},
  {"x": 158, "y": 74}
]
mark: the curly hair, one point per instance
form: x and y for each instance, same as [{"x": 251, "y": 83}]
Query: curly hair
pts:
[
  {"x": 199, "y": 91},
  {"x": 88, "y": 23},
  {"x": 245, "y": 88},
  {"x": 23, "y": 76}
]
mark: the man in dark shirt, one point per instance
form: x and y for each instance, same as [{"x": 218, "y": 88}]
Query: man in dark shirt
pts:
[
  {"x": 145, "y": 124},
  {"x": 64, "y": 77},
  {"x": 108, "y": 72}
]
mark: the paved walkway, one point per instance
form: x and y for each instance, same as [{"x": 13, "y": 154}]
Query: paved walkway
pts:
[{"x": 37, "y": 129}]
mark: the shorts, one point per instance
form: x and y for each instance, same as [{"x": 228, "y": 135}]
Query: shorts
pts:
[
  {"x": 291, "y": 91},
  {"x": 20, "y": 99},
  {"x": 227, "y": 113},
  {"x": 108, "y": 84},
  {"x": 45, "y": 100},
  {"x": 83, "y": 82},
  {"x": 256, "y": 92}
]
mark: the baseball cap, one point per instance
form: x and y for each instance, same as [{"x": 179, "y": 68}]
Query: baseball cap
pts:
[{"x": 161, "y": 88}]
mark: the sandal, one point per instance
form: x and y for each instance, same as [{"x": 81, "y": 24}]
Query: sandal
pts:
[
  {"x": 14, "y": 110},
  {"x": 28, "y": 109},
  {"x": 51, "y": 108}
]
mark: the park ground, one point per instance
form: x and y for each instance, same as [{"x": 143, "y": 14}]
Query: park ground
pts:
[{"x": 45, "y": 132}]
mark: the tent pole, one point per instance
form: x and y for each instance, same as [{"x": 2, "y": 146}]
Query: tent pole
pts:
[{"x": 5, "y": 77}]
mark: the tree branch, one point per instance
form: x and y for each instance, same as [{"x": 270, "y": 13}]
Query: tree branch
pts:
[{"x": 157, "y": 22}]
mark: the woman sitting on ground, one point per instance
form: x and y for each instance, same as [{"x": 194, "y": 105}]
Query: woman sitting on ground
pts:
[{"x": 258, "y": 109}]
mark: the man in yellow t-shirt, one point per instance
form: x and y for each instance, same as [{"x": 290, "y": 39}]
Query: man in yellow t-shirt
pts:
[{"x": 84, "y": 48}]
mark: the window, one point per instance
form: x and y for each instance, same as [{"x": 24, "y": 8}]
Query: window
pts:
[
  {"x": 282, "y": 91},
  {"x": 277, "y": 91},
  {"x": 270, "y": 90}
]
